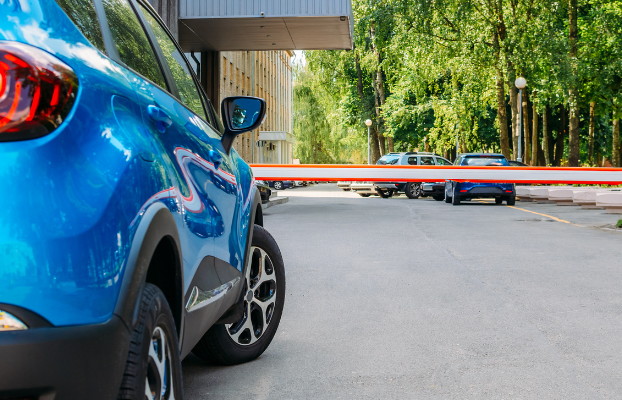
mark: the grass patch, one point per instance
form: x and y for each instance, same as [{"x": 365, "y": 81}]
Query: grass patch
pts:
[{"x": 619, "y": 224}]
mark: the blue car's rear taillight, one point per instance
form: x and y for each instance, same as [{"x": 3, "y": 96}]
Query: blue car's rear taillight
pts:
[{"x": 37, "y": 91}]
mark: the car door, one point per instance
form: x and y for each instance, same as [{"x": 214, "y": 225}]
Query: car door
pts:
[
  {"x": 207, "y": 154},
  {"x": 442, "y": 161},
  {"x": 426, "y": 160},
  {"x": 412, "y": 160},
  {"x": 162, "y": 116},
  {"x": 191, "y": 152}
]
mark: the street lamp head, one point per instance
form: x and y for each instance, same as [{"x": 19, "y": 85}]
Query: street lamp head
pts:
[
  {"x": 368, "y": 122},
  {"x": 520, "y": 82}
]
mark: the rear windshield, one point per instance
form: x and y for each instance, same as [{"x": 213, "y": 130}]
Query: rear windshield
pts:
[
  {"x": 486, "y": 161},
  {"x": 388, "y": 160}
]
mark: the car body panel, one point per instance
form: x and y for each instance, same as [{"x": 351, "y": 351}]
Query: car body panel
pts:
[
  {"x": 80, "y": 193},
  {"x": 408, "y": 158},
  {"x": 363, "y": 188}
]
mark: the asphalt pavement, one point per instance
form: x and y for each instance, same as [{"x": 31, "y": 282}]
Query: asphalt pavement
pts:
[{"x": 418, "y": 299}]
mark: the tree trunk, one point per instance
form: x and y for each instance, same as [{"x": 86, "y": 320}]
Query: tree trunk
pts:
[
  {"x": 383, "y": 144},
  {"x": 513, "y": 107},
  {"x": 535, "y": 147},
  {"x": 378, "y": 89},
  {"x": 375, "y": 149},
  {"x": 590, "y": 146},
  {"x": 573, "y": 131},
  {"x": 378, "y": 118},
  {"x": 359, "y": 82},
  {"x": 559, "y": 142},
  {"x": 373, "y": 135},
  {"x": 501, "y": 110},
  {"x": 546, "y": 143},
  {"x": 526, "y": 125},
  {"x": 615, "y": 156},
  {"x": 382, "y": 97}
]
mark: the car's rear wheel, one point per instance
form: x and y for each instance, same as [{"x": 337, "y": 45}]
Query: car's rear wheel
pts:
[
  {"x": 498, "y": 200},
  {"x": 455, "y": 197},
  {"x": 413, "y": 190},
  {"x": 383, "y": 194},
  {"x": 511, "y": 201},
  {"x": 278, "y": 185},
  {"x": 364, "y": 194},
  {"x": 264, "y": 296},
  {"x": 153, "y": 368}
]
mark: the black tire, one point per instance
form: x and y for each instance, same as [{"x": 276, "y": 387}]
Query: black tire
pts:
[
  {"x": 413, "y": 190},
  {"x": 364, "y": 194},
  {"x": 438, "y": 198},
  {"x": 455, "y": 198},
  {"x": 382, "y": 194},
  {"x": 278, "y": 185},
  {"x": 447, "y": 198},
  {"x": 154, "y": 320},
  {"x": 498, "y": 200},
  {"x": 511, "y": 201},
  {"x": 217, "y": 346}
]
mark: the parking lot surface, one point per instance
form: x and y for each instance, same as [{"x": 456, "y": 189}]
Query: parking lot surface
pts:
[{"x": 417, "y": 299}]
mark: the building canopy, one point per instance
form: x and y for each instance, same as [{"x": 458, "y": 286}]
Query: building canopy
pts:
[{"x": 239, "y": 25}]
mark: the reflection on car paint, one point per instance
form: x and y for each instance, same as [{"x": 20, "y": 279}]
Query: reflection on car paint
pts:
[{"x": 63, "y": 246}]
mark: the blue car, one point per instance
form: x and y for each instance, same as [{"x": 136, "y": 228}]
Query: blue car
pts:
[
  {"x": 281, "y": 185},
  {"x": 130, "y": 229},
  {"x": 457, "y": 191}
]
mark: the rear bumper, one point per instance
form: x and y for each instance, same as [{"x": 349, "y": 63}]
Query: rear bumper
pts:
[
  {"x": 74, "y": 362},
  {"x": 433, "y": 190},
  {"x": 390, "y": 186},
  {"x": 366, "y": 188},
  {"x": 481, "y": 192}
]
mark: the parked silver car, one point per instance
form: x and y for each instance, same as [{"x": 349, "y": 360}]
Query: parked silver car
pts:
[{"x": 411, "y": 189}]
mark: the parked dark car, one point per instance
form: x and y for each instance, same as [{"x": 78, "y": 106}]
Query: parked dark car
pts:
[
  {"x": 436, "y": 190},
  {"x": 517, "y": 164},
  {"x": 264, "y": 191},
  {"x": 280, "y": 185},
  {"x": 456, "y": 191}
]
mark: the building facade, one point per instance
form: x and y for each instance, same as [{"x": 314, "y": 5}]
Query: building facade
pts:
[
  {"x": 245, "y": 48},
  {"x": 268, "y": 75}
]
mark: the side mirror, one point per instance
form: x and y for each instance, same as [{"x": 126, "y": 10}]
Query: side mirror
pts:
[{"x": 241, "y": 114}]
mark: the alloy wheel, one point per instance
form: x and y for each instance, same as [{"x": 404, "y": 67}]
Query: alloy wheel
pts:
[
  {"x": 259, "y": 299},
  {"x": 415, "y": 190},
  {"x": 278, "y": 185},
  {"x": 159, "y": 380}
]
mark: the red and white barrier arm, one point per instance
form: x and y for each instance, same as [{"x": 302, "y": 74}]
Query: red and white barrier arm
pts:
[{"x": 429, "y": 173}]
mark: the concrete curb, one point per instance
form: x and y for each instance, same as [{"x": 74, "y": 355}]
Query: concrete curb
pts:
[{"x": 274, "y": 202}]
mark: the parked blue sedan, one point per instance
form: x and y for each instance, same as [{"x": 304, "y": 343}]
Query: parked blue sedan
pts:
[
  {"x": 130, "y": 229},
  {"x": 457, "y": 191}
]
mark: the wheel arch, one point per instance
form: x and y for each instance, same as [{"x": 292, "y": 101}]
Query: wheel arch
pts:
[{"x": 155, "y": 245}]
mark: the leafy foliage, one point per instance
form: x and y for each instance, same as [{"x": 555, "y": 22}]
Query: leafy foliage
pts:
[{"x": 447, "y": 68}]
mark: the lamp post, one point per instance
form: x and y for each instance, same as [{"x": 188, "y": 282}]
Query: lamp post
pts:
[
  {"x": 368, "y": 123},
  {"x": 520, "y": 83}
]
